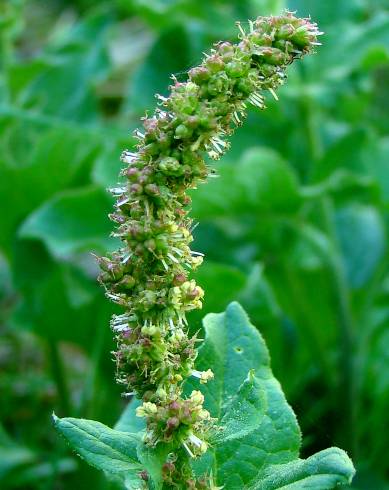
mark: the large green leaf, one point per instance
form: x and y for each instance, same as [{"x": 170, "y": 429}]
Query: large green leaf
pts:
[
  {"x": 228, "y": 281},
  {"x": 12, "y": 455},
  {"x": 231, "y": 349},
  {"x": 324, "y": 470},
  {"x": 61, "y": 81},
  {"x": 58, "y": 157},
  {"x": 152, "y": 459},
  {"x": 361, "y": 234},
  {"x": 72, "y": 222},
  {"x": 106, "y": 449},
  {"x": 163, "y": 60},
  {"x": 325, "y": 12},
  {"x": 261, "y": 181},
  {"x": 128, "y": 421},
  {"x": 242, "y": 414}
]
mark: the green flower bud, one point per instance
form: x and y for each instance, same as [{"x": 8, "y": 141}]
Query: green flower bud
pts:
[
  {"x": 214, "y": 63},
  {"x": 128, "y": 282},
  {"x": 235, "y": 69},
  {"x": 183, "y": 132},
  {"x": 170, "y": 166},
  {"x": 226, "y": 50},
  {"x": 286, "y": 31},
  {"x": 261, "y": 39},
  {"x": 152, "y": 190},
  {"x": 199, "y": 74}
]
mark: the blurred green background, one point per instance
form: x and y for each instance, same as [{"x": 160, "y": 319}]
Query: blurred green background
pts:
[{"x": 296, "y": 227}]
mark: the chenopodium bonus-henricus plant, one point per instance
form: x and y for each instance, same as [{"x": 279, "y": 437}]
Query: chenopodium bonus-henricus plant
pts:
[{"x": 150, "y": 275}]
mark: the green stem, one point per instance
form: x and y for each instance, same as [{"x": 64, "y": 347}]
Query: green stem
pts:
[{"x": 59, "y": 377}]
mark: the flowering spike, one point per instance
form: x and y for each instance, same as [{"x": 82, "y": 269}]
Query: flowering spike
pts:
[{"x": 149, "y": 275}]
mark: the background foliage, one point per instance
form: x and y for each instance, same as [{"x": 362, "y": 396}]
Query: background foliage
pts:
[{"x": 296, "y": 227}]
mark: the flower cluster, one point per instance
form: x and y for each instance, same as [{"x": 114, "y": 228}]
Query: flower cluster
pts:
[
  {"x": 177, "y": 419},
  {"x": 149, "y": 275}
]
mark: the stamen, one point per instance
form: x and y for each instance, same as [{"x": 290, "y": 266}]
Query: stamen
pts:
[
  {"x": 114, "y": 297},
  {"x": 257, "y": 100},
  {"x": 122, "y": 318},
  {"x": 194, "y": 227},
  {"x": 239, "y": 26},
  {"x": 172, "y": 258},
  {"x": 273, "y": 93},
  {"x": 196, "y": 441},
  {"x": 236, "y": 119},
  {"x": 178, "y": 251},
  {"x": 117, "y": 191},
  {"x": 128, "y": 157},
  {"x": 161, "y": 98},
  {"x": 188, "y": 450},
  {"x": 122, "y": 201},
  {"x": 203, "y": 376},
  {"x": 139, "y": 134},
  {"x": 120, "y": 328},
  {"x": 126, "y": 257}
]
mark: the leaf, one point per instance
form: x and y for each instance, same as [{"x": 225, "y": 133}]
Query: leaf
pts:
[
  {"x": 262, "y": 181},
  {"x": 71, "y": 222},
  {"x": 56, "y": 299},
  {"x": 59, "y": 81},
  {"x": 232, "y": 348},
  {"x": 325, "y": 12},
  {"x": 243, "y": 413},
  {"x": 107, "y": 166},
  {"x": 128, "y": 421},
  {"x": 59, "y": 157},
  {"x": 153, "y": 460},
  {"x": 13, "y": 456},
  {"x": 324, "y": 470},
  {"x": 162, "y": 13},
  {"x": 228, "y": 281},
  {"x": 352, "y": 153},
  {"x": 106, "y": 449},
  {"x": 164, "y": 59},
  {"x": 257, "y": 296},
  {"x": 357, "y": 42},
  {"x": 361, "y": 233},
  {"x": 344, "y": 185}
]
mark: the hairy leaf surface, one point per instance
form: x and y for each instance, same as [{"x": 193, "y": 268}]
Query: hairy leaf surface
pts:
[
  {"x": 265, "y": 454},
  {"x": 106, "y": 449}
]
